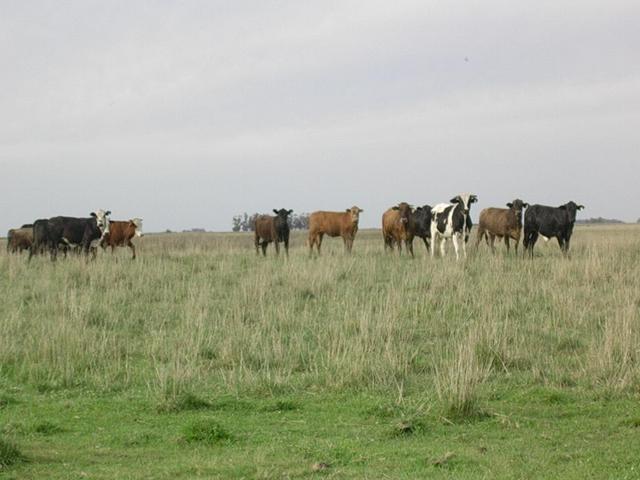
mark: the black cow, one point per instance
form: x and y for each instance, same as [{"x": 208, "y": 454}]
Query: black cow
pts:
[
  {"x": 70, "y": 232},
  {"x": 273, "y": 229},
  {"x": 422, "y": 219},
  {"x": 548, "y": 222}
]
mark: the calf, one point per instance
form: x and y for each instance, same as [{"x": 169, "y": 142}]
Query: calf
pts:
[
  {"x": 20, "y": 239},
  {"x": 548, "y": 222},
  {"x": 335, "y": 224},
  {"x": 398, "y": 226},
  {"x": 422, "y": 222},
  {"x": 452, "y": 220},
  {"x": 70, "y": 232},
  {"x": 273, "y": 229},
  {"x": 120, "y": 234},
  {"x": 502, "y": 223}
]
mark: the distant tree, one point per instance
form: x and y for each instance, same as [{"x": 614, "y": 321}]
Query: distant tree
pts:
[
  {"x": 236, "y": 223},
  {"x": 299, "y": 221}
]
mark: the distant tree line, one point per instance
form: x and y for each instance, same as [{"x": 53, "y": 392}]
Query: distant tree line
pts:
[
  {"x": 246, "y": 223},
  {"x": 600, "y": 220}
]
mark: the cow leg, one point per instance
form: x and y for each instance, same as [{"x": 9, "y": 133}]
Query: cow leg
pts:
[
  {"x": 454, "y": 238},
  {"x": 479, "y": 236},
  {"x": 319, "y": 241},
  {"x": 277, "y": 246},
  {"x": 533, "y": 237},
  {"x": 409, "y": 245},
  {"x": 426, "y": 244},
  {"x": 399, "y": 243},
  {"x": 491, "y": 241},
  {"x": 264, "y": 248},
  {"x": 442, "y": 242},
  {"x": 286, "y": 247},
  {"x": 133, "y": 250},
  {"x": 464, "y": 245},
  {"x": 256, "y": 241},
  {"x": 506, "y": 242}
]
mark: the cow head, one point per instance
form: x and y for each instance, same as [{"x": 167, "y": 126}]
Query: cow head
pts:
[
  {"x": 355, "y": 214},
  {"x": 137, "y": 223},
  {"x": 517, "y": 206},
  {"x": 102, "y": 220},
  {"x": 465, "y": 200},
  {"x": 283, "y": 213},
  {"x": 405, "y": 210},
  {"x": 571, "y": 208}
]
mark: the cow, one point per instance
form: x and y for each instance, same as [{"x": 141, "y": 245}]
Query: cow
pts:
[
  {"x": 269, "y": 229},
  {"x": 20, "y": 239},
  {"x": 422, "y": 222},
  {"x": 452, "y": 220},
  {"x": 120, "y": 234},
  {"x": 398, "y": 226},
  {"x": 548, "y": 222},
  {"x": 502, "y": 223},
  {"x": 335, "y": 224},
  {"x": 70, "y": 232}
]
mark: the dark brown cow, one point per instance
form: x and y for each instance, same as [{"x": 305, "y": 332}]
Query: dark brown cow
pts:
[
  {"x": 272, "y": 229},
  {"x": 398, "y": 225},
  {"x": 20, "y": 239},
  {"x": 120, "y": 234},
  {"x": 335, "y": 224},
  {"x": 502, "y": 223}
]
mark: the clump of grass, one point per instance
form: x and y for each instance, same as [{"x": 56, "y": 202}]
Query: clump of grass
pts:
[
  {"x": 183, "y": 402},
  {"x": 281, "y": 406},
  {"x": 458, "y": 380},
  {"x": 9, "y": 454},
  {"x": 6, "y": 400},
  {"x": 46, "y": 428},
  {"x": 207, "y": 431}
]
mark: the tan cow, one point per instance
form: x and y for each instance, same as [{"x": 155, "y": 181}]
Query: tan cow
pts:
[
  {"x": 335, "y": 224},
  {"x": 120, "y": 234},
  {"x": 398, "y": 225},
  {"x": 502, "y": 223},
  {"x": 20, "y": 239}
]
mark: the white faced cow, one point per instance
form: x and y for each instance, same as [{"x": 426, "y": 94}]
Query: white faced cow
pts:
[{"x": 452, "y": 220}]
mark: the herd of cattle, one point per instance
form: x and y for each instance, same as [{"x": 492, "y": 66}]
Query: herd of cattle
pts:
[
  {"x": 400, "y": 224},
  {"x": 76, "y": 234}
]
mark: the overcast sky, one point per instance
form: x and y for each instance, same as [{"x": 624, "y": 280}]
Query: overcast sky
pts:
[{"x": 185, "y": 113}]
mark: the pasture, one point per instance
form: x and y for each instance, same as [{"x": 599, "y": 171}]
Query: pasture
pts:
[{"x": 202, "y": 360}]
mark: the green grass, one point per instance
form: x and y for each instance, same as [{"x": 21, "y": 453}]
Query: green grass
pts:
[{"x": 201, "y": 360}]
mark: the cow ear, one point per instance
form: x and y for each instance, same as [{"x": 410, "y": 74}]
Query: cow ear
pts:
[
  {"x": 510, "y": 205},
  {"x": 580, "y": 207},
  {"x": 93, "y": 214},
  {"x": 419, "y": 208},
  {"x": 360, "y": 210},
  {"x": 395, "y": 208},
  {"x": 454, "y": 200},
  {"x": 275, "y": 211},
  {"x": 473, "y": 199},
  {"x": 525, "y": 205},
  {"x": 108, "y": 212},
  {"x": 290, "y": 212}
]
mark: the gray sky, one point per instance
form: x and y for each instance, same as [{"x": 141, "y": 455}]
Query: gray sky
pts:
[{"x": 185, "y": 113}]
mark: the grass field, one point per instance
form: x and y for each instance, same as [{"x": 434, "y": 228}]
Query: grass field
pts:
[{"x": 201, "y": 360}]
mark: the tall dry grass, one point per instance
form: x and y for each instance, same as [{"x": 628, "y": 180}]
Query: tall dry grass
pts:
[{"x": 201, "y": 312}]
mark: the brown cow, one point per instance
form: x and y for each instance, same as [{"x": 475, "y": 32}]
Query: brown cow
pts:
[
  {"x": 335, "y": 224},
  {"x": 501, "y": 222},
  {"x": 120, "y": 234},
  {"x": 272, "y": 229},
  {"x": 20, "y": 239},
  {"x": 398, "y": 225}
]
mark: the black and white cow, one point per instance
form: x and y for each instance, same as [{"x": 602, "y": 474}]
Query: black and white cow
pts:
[
  {"x": 70, "y": 232},
  {"x": 452, "y": 220},
  {"x": 548, "y": 222}
]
